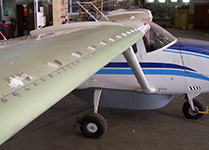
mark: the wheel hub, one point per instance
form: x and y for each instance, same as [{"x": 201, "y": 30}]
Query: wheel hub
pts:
[
  {"x": 92, "y": 127},
  {"x": 194, "y": 112}
]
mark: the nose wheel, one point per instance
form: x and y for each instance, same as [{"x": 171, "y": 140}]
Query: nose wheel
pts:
[
  {"x": 93, "y": 125},
  {"x": 193, "y": 114}
]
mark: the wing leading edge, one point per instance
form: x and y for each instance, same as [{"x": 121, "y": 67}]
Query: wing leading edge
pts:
[{"x": 81, "y": 53}]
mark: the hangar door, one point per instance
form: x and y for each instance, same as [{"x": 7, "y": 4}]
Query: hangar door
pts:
[{"x": 201, "y": 18}]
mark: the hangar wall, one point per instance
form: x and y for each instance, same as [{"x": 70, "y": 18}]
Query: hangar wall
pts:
[{"x": 201, "y": 1}]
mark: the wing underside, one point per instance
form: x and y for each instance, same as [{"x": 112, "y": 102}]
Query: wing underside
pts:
[{"x": 57, "y": 64}]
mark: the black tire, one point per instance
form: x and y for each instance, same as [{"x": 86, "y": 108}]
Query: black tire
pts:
[
  {"x": 189, "y": 113},
  {"x": 93, "y": 125}
]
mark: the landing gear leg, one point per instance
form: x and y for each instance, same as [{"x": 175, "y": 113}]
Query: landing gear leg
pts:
[
  {"x": 93, "y": 125},
  {"x": 192, "y": 107}
]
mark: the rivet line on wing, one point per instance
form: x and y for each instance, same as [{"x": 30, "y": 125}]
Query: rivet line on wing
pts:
[
  {"x": 15, "y": 94},
  {"x": 68, "y": 66},
  {"x": 51, "y": 75},
  {"x": 45, "y": 79},
  {"x": 4, "y": 100},
  {"x": 26, "y": 88}
]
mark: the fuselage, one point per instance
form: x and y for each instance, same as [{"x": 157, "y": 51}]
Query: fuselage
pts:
[{"x": 170, "y": 65}]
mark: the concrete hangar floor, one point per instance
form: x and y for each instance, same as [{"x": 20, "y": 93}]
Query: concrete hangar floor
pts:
[{"x": 161, "y": 129}]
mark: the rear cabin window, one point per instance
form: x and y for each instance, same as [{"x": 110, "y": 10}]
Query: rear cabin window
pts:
[{"x": 155, "y": 39}]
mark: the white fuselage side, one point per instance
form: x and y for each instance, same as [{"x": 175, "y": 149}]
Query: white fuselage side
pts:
[{"x": 178, "y": 67}]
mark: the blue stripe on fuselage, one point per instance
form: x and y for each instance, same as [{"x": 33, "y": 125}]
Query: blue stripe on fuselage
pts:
[
  {"x": 147, "y": 65},
  {"x": 185, "y": 53},
  {"x": 191, "y": 47},
  {"x": 153, "y": 72},
  {"x": 186, "y": 47}
]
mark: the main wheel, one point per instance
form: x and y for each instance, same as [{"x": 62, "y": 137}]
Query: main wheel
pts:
[
  {"x": 93, "y": 125},
  {"x": 193, "y": 114}
]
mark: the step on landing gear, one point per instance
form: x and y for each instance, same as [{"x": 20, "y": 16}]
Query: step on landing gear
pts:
[{"x": 93, "y": 125}]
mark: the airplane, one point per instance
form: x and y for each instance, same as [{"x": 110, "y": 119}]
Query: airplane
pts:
[
  {"x": 38, "y": 70},
  {"x": 147, "y": 75}
]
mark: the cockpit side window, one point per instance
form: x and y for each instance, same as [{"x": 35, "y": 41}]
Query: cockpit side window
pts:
[
  {"x": 155, "y": 39},
  {"x": 134, "y": 48}
]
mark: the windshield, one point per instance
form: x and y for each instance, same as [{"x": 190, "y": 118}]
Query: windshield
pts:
[{"x": 156, "y": 38}]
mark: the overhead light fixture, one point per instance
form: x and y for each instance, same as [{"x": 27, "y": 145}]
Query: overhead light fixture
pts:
[
  {"x": 150, "y": 1},
  {"x": 186, "y": 1},
  {"x": 161, "y": 1},
  {"x": 174, "y": 1}
]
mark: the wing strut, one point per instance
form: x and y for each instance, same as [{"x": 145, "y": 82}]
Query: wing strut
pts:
[{"x": 137, "y": 70}]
